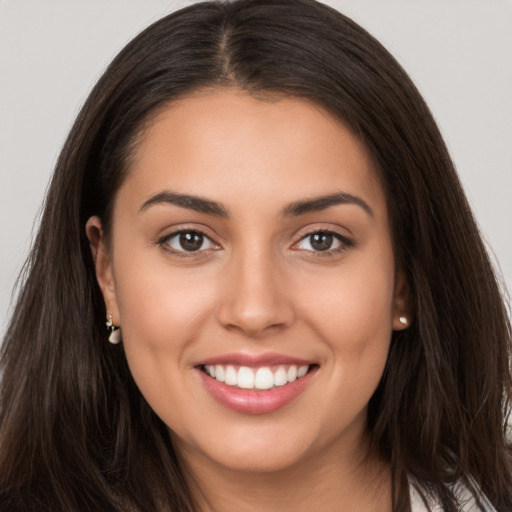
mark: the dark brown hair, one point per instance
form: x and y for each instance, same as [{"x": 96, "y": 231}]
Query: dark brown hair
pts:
[{"x": 75, "y": 432}]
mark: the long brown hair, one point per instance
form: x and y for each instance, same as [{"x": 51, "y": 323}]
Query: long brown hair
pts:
[{"x": 75, "y": 432}]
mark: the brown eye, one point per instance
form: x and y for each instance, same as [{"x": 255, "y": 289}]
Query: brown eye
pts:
[
  {"x": 191, "y": 241},
  {"x": 188, "y": 241},
  {"x": 321, "y": 241}
]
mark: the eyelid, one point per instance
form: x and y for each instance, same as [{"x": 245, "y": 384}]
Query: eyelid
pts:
[
  {"x": 345, "y": 241},
  {"x": 163, "y": 241}
]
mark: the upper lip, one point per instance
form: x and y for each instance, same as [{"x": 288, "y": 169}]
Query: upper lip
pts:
[{"x": 253, "y": 360}]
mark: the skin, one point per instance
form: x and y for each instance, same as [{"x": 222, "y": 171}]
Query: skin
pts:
[{"x": 259, "y": 286}]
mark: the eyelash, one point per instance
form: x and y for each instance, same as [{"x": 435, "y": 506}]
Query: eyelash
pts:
[
  {"x": 345, "y": 243},
  {"x": 164, "y": 243}
]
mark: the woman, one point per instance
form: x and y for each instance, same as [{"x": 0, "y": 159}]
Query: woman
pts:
[{"x": 257, "y": 202}]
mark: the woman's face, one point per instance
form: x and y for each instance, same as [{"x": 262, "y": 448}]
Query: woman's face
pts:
[{"x": 251, "y": 241}]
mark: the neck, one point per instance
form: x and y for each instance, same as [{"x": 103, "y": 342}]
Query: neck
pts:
[{"x": 335, "y": 480}]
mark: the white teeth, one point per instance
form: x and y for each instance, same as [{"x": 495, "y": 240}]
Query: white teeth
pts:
[
  {"x": 280, "y": 378},
  {"x": 262, "y": 378},
  {"x": 291, "y": 375},
  {"x": 220, "y": 373},
  {"x": 302, "y": 371},
  {"x": 231, "y": 378},
  {"x": 245, "y": 378}
]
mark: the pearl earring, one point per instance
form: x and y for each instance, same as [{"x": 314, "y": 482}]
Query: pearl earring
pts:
[
  {"x": 403, "y": 320},
  {"x": 115, "y": 334}
]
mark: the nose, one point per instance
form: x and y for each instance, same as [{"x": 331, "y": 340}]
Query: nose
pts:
[{"x": 255, "y": 301}]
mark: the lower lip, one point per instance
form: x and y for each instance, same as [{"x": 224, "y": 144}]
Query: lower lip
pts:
[{"x": 251, "y": 401}]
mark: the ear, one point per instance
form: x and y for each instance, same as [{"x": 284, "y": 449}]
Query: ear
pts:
[
  {"x": 402, "y": 314},
  {"x": 103, "y": 267}
]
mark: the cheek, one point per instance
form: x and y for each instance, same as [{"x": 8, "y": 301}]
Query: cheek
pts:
[
  {"x": 155, "y": 297},
  {"x": 354, "y": 304},
  {"x": 162, "y": 318},
  {"x": 352, "y": 316},
  {"x": 162, "y": 313},
  {"x": 355, "y": 326}
]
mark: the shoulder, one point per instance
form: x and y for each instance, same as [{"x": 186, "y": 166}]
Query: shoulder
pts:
[{"x": 466, "y": 500}]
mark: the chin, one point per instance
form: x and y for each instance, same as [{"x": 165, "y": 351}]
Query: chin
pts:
[
  {"x": 262, "y": 448},
  {"x": 271, "y": 460}
]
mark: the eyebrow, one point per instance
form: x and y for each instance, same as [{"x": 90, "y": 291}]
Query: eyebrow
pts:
[
  {"x": 295, "y": 209},
  {"x": 320, "y": 203},
  {"x": 195, "y": 203}
]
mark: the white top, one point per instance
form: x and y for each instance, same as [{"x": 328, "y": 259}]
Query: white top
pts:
[{"x": 466, "y": 499}]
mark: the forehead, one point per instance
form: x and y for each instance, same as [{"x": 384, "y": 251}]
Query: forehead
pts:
[{"x": 222, "y": 143}]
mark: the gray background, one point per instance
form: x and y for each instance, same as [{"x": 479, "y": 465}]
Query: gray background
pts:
[{"x": 459, "y": 53}]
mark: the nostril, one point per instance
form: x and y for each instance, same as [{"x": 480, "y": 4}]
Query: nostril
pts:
[{"x": 256, "y": 318}]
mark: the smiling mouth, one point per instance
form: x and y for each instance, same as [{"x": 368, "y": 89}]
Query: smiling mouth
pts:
[{"x": 261, "y": 378}]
